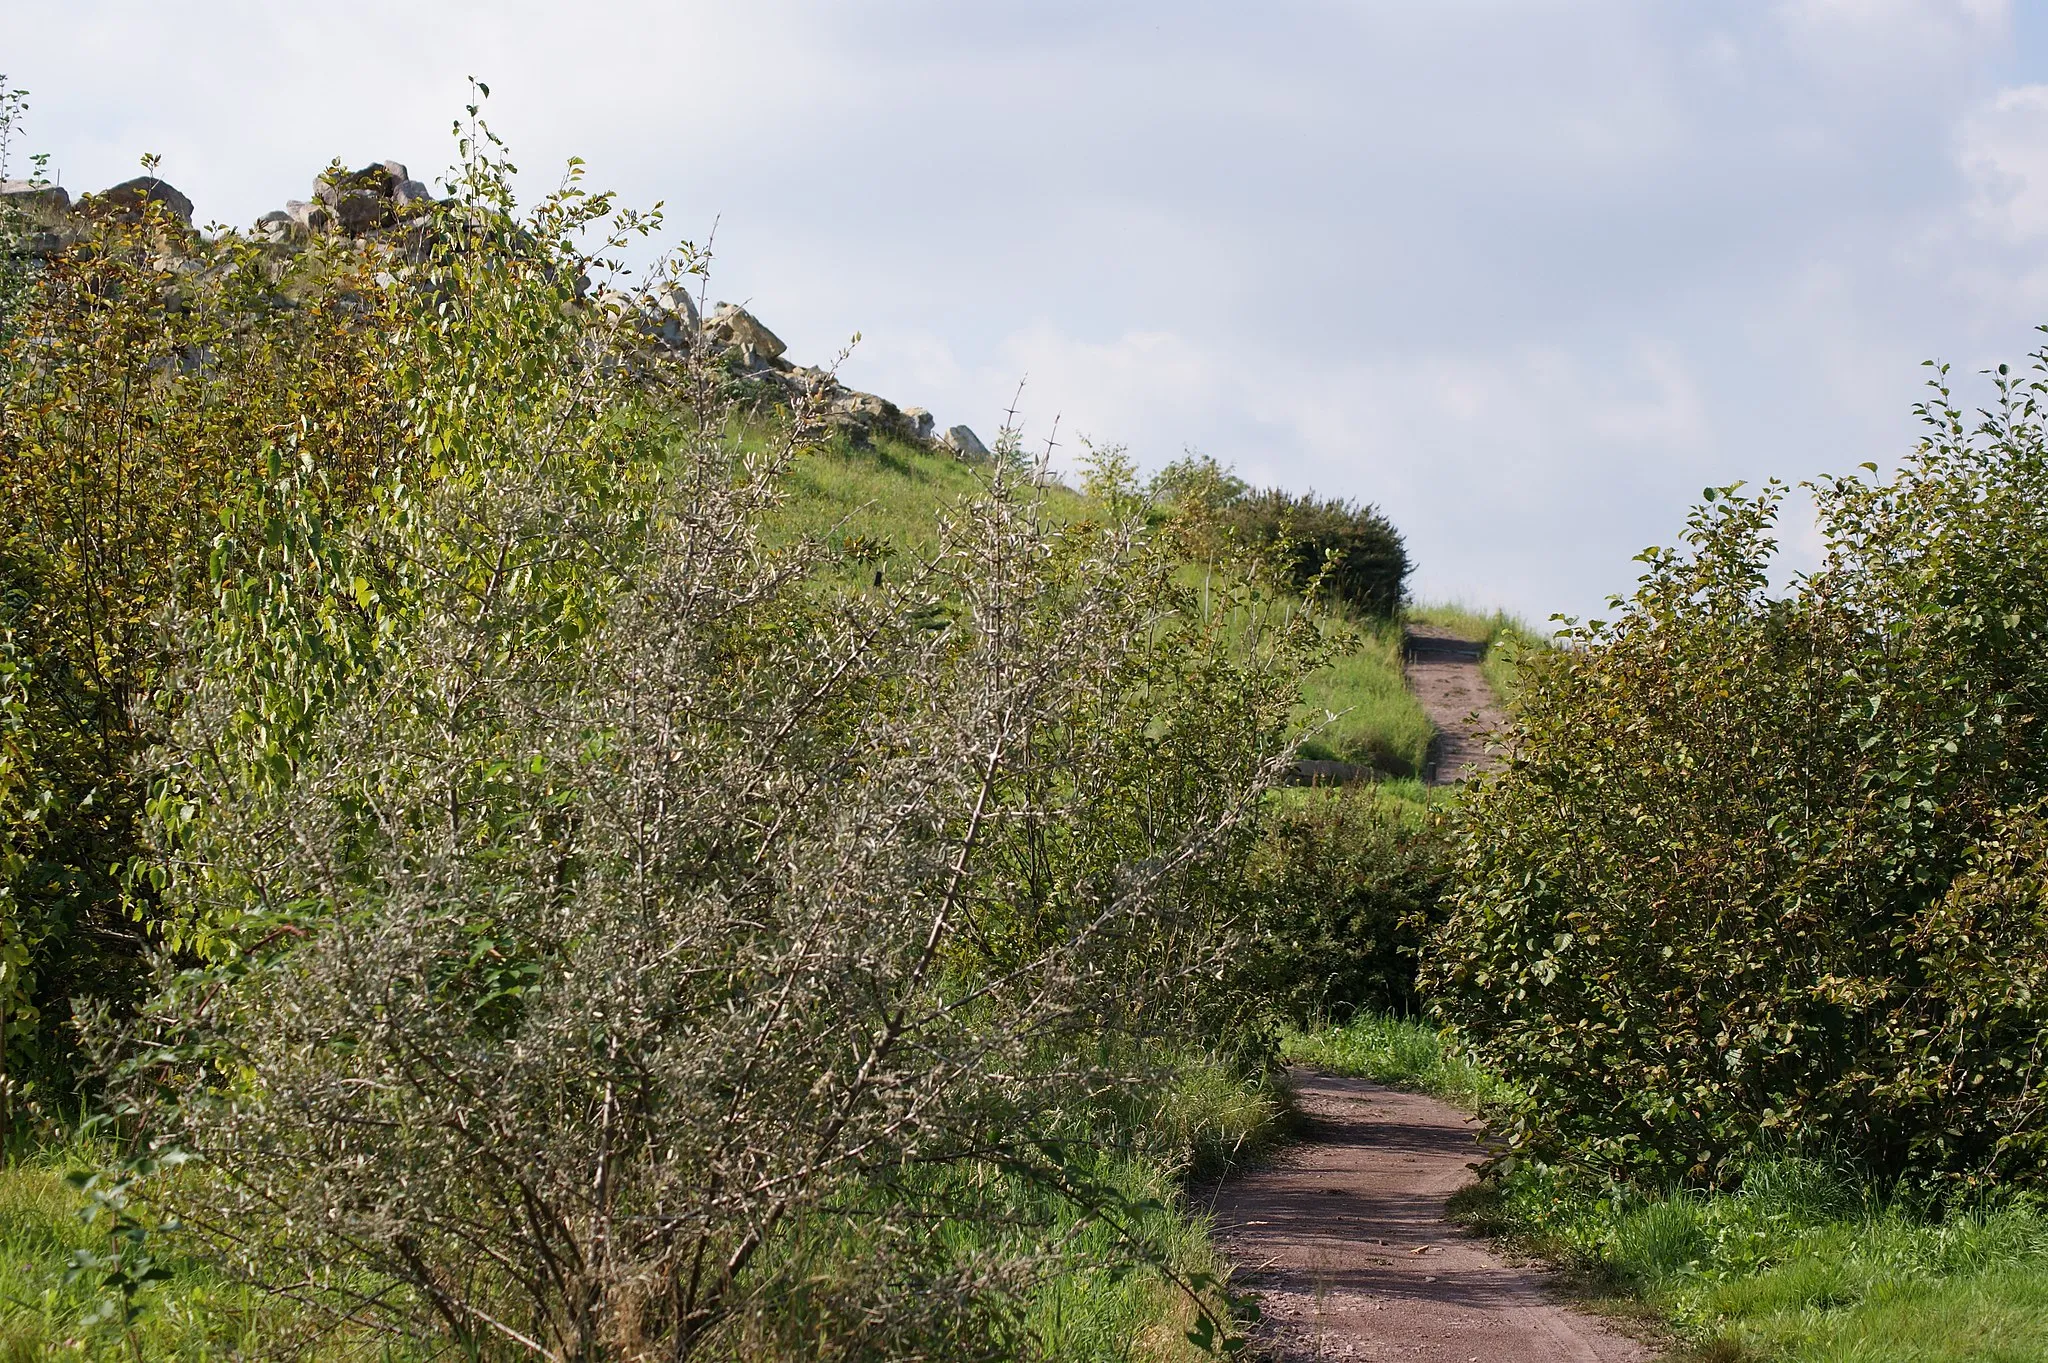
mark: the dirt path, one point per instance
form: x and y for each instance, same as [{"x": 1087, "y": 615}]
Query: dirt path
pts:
[
  {"x": 1343, "y": 1239},
  {"x": 1443, "y": 671}
]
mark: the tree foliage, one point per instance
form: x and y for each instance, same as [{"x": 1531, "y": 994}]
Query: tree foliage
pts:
[
  {"x": 148, "y": 376},
  {"x": 1765, "y": 868},
  {"x": 1347, "y": 885},
  {"x": 600, "y": 926},
  {"x": 1350, "y": 553}
]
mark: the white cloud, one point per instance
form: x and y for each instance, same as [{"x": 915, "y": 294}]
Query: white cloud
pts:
[
  {"x": 1527, "y": 272},
  {"x": 2003, "y": 148}
]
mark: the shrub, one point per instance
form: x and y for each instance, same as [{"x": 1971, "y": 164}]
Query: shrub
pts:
[
  {"x": 1348, "y": 551},
  {"x": 1767, "y": 867},
  {"x": 1352, "y": 551},
  {"x": 1347, "y": 884},
  {"x": 147, "y": 378},
  {"x": 621, "y": 942}
]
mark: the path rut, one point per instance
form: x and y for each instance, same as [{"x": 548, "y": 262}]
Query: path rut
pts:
[{"x": 1343, "y": 1240}]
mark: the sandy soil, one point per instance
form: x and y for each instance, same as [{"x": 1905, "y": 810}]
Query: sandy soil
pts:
[
  {"x": 1443, "y": 671},
  {"x": 1344, "y": 1242}
]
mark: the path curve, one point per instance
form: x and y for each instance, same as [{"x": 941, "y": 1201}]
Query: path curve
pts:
[{"x": 1344, "y": 1242}]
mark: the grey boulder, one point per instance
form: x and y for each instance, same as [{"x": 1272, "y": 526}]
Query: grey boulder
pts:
[
  {"x": 31, "y": 197},
  {"x": 735, "y": 326},
  {"x": 674, "y": 299},
  {"x": 962, "y": 441},
  {"x": 361, "y": 212},
  {"x": 314, "y": 217},
  {"x": 130, "y": 198},
  {"x": 277, "y": 225},
  {"x": 867, "y": 409},
  {"x": 919, "y": 422},
  {"x": 672, "y": 314},
  {"x": 335, "y": 184}
]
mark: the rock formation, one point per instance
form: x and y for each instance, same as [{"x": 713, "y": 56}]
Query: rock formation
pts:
[{"x": 382, "y": 208}]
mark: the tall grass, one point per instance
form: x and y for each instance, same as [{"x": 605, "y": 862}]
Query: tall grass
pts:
[
  {"x": 1360, "y": 705},
  {"x": 1805, "y": 1263},
  {"x": 53, "y": 1304},
  {"x": 880, "y": 503},
  {"x": 1400, "y": 1052}
]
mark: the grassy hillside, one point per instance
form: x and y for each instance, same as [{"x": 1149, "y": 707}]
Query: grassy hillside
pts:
[{"x": 881, "y": 502}]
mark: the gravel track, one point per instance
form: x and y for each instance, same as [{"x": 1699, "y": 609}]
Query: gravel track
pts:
[{"x": 1344, "y": 1242}]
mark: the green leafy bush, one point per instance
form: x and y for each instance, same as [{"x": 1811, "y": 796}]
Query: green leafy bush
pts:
[
  {"x": 608, "y": 932},
  {"x": 1768, "y": 867},
  {"x": 1350, "y": 552},
  {"x": 1346, "y": 885},
  {"x": 148, "y": 377}
]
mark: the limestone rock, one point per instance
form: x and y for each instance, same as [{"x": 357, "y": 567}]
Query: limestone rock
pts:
[
  {"x": 129, "y": 197},
  {"x": 674, "y": 300},
  {"x": 30, "y": 197},
  {"x": 314, "y": 217},
  {"x": 919, "y": 423},
  {"x": 868, "y": 410},
  {"x": 672, "y": 314},
  {"x": 964, "y": 442},
  {"x": 361, "y": 213},
  {"x": 803, "y": 381},
  {"x": 407, "y": 192},
  {"x": 278, "y": 225},
  {"x": 731, "y": 325},
  {"x": 336, "y": 184}
]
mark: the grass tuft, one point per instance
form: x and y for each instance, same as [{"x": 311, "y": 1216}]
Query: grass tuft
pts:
[{"x": 1398, "y": 1052}]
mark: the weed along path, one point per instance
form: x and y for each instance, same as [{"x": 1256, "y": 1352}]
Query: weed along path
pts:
[
  {"x": 1344, "y": 1242},
  {"x": 1443, "y": 672}
]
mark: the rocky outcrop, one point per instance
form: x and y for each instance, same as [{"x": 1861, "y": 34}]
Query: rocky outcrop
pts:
[
  {"x": 131, "y": 197},
  {"x": 732, "y": 325},
  {"x": 381, "y": 207},
  {"x": 28, "y": 196}
]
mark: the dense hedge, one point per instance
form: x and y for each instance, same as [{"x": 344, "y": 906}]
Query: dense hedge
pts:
[
  {"x": 149, "y": 379},
  {"x": 1346, "y": 884},
  {"x": 1349, "y": 551},
  {"x": 1768, "y": 867},
  {"x": 1353, "y": 549}
]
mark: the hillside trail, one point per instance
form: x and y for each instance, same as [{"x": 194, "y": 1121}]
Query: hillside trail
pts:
[
  {"x": 1344, "y": 1243},
  {"x": 1443, "y": 672}
]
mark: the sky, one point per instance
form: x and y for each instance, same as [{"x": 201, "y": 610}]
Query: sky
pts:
[{"x": 1527, "y": 275}]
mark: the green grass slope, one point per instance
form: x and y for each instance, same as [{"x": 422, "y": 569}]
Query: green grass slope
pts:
[{"x": 881, "y": 504}]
